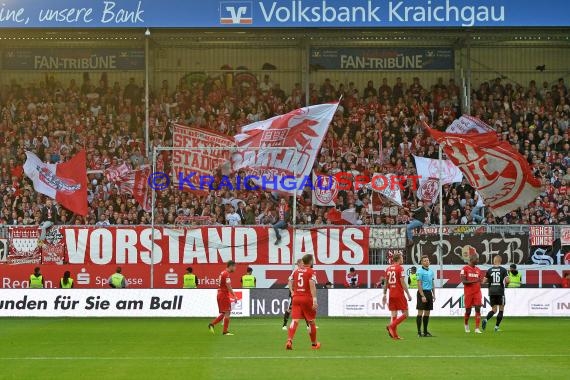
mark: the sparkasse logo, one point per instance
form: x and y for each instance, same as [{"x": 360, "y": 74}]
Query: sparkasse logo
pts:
[{"x": 236, "y": 12}]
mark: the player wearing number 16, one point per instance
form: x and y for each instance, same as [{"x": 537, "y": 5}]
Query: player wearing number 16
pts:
[
  {"x": 303, "y": 284},
  {"x": 396, "y": 283}
]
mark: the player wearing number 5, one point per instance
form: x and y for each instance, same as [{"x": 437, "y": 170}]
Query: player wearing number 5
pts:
[
  {"x": 396, "y": 283},
  {"x": 425, "y": 297},
  {"x": 498, "y": 278},
  {"x": 303, "y": 284}
]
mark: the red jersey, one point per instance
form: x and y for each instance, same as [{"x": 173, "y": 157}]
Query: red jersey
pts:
[
  {"x": 472, "y": 273},
  {"x": 224, "y": 282},
  {"x": 394, "y": 273},
  {"x": 301, "y": 278}
]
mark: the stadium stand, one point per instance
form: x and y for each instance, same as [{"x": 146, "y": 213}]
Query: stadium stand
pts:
[{"x": 55, "y": 119}]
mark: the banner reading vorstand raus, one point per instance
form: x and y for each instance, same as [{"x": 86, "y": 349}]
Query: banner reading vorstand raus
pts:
[{"x": 117, "y": 303}]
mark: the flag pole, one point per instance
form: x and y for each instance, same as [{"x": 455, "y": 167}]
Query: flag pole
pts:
[
  {"x": 440, "y": 244},
  {"x": 153, "y": 206}
]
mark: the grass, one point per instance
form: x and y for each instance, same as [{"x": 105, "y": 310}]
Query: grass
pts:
[{"x": 354, "y": 349}]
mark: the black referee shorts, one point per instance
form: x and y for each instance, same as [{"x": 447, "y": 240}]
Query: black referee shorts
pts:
[
  {"x": 497, "y": 300},
  {"x": 428, "y": 305}
]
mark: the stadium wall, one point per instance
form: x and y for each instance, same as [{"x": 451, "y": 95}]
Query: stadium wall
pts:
[{"x": 92, "y": 253}]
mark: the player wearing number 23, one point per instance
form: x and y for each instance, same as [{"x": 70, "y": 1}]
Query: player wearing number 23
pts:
[{"x": 396, "y": 284}]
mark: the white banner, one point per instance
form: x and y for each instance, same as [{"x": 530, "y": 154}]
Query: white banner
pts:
[
  {"x": 565, "y": 236},
  {"x": 117, "y": 303},
  {"x": 449, "y": 302}
]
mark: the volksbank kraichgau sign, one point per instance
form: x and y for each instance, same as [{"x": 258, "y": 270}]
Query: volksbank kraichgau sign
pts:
[{"x": 281, "y": 13}]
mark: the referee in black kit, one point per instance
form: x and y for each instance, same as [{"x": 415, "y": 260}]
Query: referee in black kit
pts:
[{"x": 425, "y": 296}]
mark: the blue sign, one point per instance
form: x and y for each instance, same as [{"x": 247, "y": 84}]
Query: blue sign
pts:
[
  {"x": 383, "y": 59},
  {"x": 282, "y": 13},
  {"x": 73, "y": 59}
]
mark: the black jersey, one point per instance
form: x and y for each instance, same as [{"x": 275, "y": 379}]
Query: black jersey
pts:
[{"x": 496, "y": 279}]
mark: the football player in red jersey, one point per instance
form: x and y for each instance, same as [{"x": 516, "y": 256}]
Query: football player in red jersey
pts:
[
  {"x": 225, "y": 296},
  {"x": 471, "y": 276},
  {"x": 396, "y": 282},
  {"x": 303, "y": 285}
]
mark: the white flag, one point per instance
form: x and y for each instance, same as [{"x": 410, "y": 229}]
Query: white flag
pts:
[
  {"x": 387, "y": 187},
  {"x": 468, "y": 124},
  {"x": 429, "y": 173},
  {"x": 284, "y": 145},
  {"x": 325, "y": 190}
]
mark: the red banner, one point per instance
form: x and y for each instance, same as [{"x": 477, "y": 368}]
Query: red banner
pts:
[
  {"x": 53, "y": 251},
  {"x": 214, "y": 245},
  {"x": 198, "y": 163},
  {"x": 92, "y": 254}
]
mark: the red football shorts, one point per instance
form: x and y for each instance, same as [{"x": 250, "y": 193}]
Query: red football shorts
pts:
[
  {"x": 302, "y": 308},
  {"x": 224, "y": 303},
  {"x": 397, "y": 303},
  {"x": 472, "y": 299}
]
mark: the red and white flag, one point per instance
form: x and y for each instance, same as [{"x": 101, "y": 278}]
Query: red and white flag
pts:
[
  {"x": 348, "y": 216},
  {"x": 468, "y": 124},
  {"x": 114, "y": 173},
  {"x": 194, "y": 164},
  {"x": 386, "y": 186},
  {"x": 135, "y": 182},
  {"x": 65, "y": 182},
  {"x": 429, "y": 173},
  {"x": 325, "y": 189},
  {"x": 494, "y": 168},
  {"x": 303, "y": 129}
]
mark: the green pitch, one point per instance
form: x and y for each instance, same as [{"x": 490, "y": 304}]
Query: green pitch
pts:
[{"x": 353, "y": 349}]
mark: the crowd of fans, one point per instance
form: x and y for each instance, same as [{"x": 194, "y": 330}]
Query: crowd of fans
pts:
[{"x": 55, "y": 120}]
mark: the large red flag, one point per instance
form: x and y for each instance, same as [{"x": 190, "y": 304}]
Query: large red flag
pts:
[
  {"x": 65, "y": 182},
  {"x": 501, "y": 174}
]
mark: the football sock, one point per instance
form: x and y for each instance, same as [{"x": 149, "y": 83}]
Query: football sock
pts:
[
  {"x": 499, "y": 318},
  {"x": 286, "y": 318},
  {"x": 419, "y": 323},
  {"x": 490, "y": 315},
  {"x": 477, "y": 320},
  {"x": 466, "y": 319},
  {"x": 292, "y": 329},
  {"x": 218, "y": 320},
  {"x": 426, "y": 321},
  {"x": 313, "y": 332},
  {"x": 226, "y": 324},
  {"x": 399, "y": 320}
]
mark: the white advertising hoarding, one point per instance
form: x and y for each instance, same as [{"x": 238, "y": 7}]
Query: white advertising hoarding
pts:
[
  {"x": 449, "y": 302},
  {"x": 117, "y": 303}
]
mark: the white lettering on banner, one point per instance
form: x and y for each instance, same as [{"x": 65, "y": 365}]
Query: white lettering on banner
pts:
[
  {"x": 213, "y": 245},
  {"x": 448, "y": 13},
  {"x": 14, "y": 15},
  {"x": 116, "y": 303},
  {"x": 400, "y": 62},
  {"x": 94, "y": 62},
  {"x": 449, "y": 302},
  {"x": 325, "y": 13},
  {"x": 118, "y": 16},
  {"x": 68, "y": 15}
]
